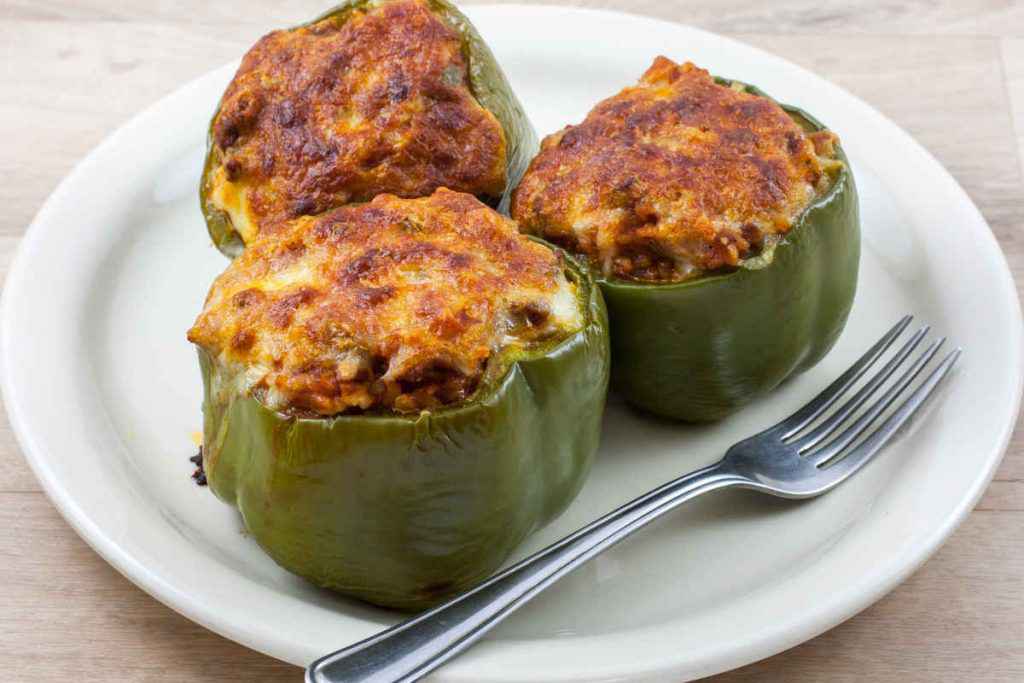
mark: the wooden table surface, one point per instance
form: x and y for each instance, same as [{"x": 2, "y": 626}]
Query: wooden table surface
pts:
[{"x": 951, "y": 73}]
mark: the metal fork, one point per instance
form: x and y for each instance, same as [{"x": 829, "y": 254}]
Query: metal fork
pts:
[{"x": 805, "y": 455}]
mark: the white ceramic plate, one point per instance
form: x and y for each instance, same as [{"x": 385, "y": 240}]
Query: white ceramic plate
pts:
[{"x": 103, "y": 392}]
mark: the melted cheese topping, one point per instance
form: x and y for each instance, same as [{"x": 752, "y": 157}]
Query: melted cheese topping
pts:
[
  {"x": 674, "y": 177},
  {"x": 398, "y": 304},
  {"x": 373, "y": 100},
  {"x": 233, "y": 200}
]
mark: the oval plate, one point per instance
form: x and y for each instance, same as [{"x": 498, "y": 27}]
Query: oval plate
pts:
[{"x": 103, "y": 392}]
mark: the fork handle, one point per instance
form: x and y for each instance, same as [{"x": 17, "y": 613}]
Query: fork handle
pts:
[{"x": 417, "y": 646}]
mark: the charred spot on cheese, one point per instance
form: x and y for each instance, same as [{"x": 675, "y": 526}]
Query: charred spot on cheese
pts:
[
  {"x": 396, "y": 304},
  {"x": 674, "y": 178},
  {"x": 375, "y": 99}
]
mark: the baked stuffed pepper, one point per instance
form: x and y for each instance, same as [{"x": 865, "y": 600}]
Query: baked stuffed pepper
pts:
[
  {"x": 375, "y": 96},
  {"x": 723, "y": 230},
  {"x": 398, "y": 392}
]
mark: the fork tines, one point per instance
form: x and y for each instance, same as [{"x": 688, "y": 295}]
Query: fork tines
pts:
[{"x": 829, "y": 438}]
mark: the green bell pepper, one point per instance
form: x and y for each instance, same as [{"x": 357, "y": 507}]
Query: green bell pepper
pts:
[
  {"x": 701, "y": 349},
  {"x": 404, "y": 510},
  {"x": 487, "y": 82}
]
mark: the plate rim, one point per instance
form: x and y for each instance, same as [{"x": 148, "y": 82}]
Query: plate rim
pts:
[{"x": 811, "y": 623}]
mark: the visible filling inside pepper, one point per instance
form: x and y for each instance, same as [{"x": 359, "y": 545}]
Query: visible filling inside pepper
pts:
[
  {"x": 375, "y": 99},
  {"x": 397, "y": 304},
  {"x": 674, "y": 178}
]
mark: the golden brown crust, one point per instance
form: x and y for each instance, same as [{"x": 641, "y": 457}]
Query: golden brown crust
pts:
[
  {"x": 376, "y": 100},
  {"x": 673, "y": 177},
  {"x": 398, "y": 303}
]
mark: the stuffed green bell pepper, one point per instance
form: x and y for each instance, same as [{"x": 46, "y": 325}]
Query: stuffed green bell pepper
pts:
[
  {"x": 396, "y": 96},
  {"x": 398, "y": 392},
  {"x": 723, "y": 228}
]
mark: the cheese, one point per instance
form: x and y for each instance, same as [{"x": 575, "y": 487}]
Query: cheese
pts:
[
  {"x": 373, "y": 101},
  {"x": 674, "y": 178},
  {"x": 232, "y": 199},
  {"x": 398, "y": 304}
]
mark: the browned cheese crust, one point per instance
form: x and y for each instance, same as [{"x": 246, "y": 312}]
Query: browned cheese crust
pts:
[
  {"x": 375, "y": 100},
  {"x": 674, "y": 177},
  {"x": 396, "y": 304}
]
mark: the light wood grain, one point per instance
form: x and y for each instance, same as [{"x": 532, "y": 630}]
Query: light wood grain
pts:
[
  {"x": 1012, "y": 53},
  {"x": 911, "y": 17},
  {"x": 73, "y": 70}
]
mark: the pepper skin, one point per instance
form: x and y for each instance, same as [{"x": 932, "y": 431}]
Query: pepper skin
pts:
[
  {"x": 403, "y": 511},
  {"x": 699, "y": 350},
  {"x": 489, "y": 87}
]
